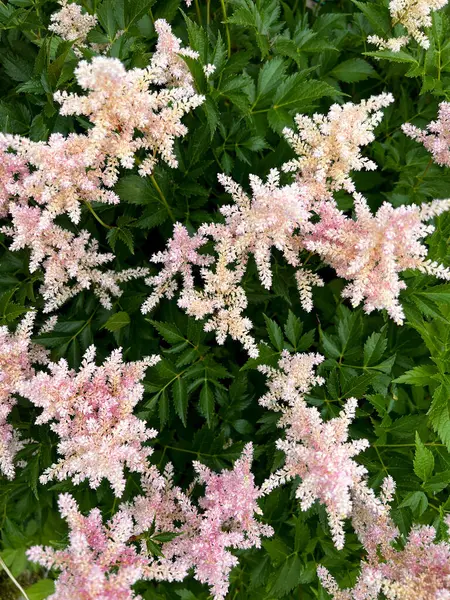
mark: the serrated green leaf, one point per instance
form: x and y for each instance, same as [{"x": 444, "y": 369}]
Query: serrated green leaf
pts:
[
  {"x": 275, "y": 333},
  {"x": 423, "y": 460},
  {"x": 169, "y": 332},
  {"x": 180, "y": 398},
  {"x": 206, "y": 403},
  {"x": 420, "y": 375},
  {"x": 117, "y": 321},
  {"x": 354, "y": 69}
]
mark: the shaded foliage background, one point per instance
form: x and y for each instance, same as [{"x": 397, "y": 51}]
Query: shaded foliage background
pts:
[{"x": 273, "y": 59}]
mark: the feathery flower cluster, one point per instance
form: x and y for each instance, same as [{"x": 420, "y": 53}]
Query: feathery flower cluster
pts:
[
  {"x": 42, "y": 180},
  {"x": 103, "y": 561},
  {"x": 274, "y": 217},
  {"x": 13, "y": 170},
  {"x": 92, "y": 412},
  {"x": 316, "y": 451},
  {"x": 120, "y": 103},
  {"x": 414, "y": 15},
  {"x": 371, "y": 250},
  {"x": 436, "y": 136},
  {"x": 16, "y": 356},
  {"x": 99, "y": 562},
  {"x": 70, "y": 262},
  {"x": 328, "y": 147},
  {"x": 72, "y": 24},
  {"x": 421, "y": 569},
  {"x": 224, "y": 520},
  {"x": 66, "y": 171}
]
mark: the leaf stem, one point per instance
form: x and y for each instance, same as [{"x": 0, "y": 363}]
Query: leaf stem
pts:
[
  {"x": 408, "y": 445},
  {"x": 163, "y": 198},
  {"x": 13, "y": 579},
  {"x": 88, "y": 204},
  {"x": 227, "y": 29},
  {"x": 199, "y": 14}
]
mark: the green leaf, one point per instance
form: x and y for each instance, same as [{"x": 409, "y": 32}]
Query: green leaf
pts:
[
  {"x": 117, "y": 321},
  {"x": 423, "y": 460},
  {"x": 41, "y": 589},
  {"x": 207, "y": 403},
  {"x": 377, "y": 15},
  {"x": 275, "y": 333},
  {"x": 169, "y": 332},
  {"x": 357, "y": 386},
  {"x": 374, "y": 348},
  {"x": 136, "y": 190},
  {"x": 293, "y": 329},
  {"x": 420, "y": 375},
  {"x": 355, "y": 69},
  {"x": 180, "y": 398},
  {"x": 163, "y": 408},
  {"x": 330, "y": 345},
  {"x": 439, "y": 413},
  {"x": 288, "y": 577},
  {"x": 399, "y": 57},
  {"x": 269, "y": 77},
  {"x": 417, "y": 502},
  {"x": 295, "y": 93},
  {"x": 212, "y": 114}
]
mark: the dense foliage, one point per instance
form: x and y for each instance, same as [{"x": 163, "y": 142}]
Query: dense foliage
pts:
[{"x": 92, "y": 241}]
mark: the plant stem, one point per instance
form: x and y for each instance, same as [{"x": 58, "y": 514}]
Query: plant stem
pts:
[
  {"x": 88, "y": 204},
  {"x": 227, "y": 29},
  {"x": 163, "y": 198},
  {"x": 13, "y": 579},
  {"x": 199, "y": 14}
]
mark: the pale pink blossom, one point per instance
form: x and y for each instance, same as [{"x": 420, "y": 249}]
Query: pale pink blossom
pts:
[
  {"x": 436, "y": 136},
  {"x": 225, "y": 520},
  {"x": 167, "y": 64},
  {"x": 120, "y": 103},
  {"x": 66, "y": 171},
  {"x": 328, "y": 147},
  {"x": 17, "y": 354},
  {"x": 318, "y": 452},
  {"x": 420, "y": 570},
  {"x": 13, "y": 170},
  {"x": 98, "y": 563},
  {"x": 371, "y": 250},
  {"x": 71, "y": 23},
  {"x": 71, "y": 263},
  {"x": 178, "y": 259},
  {"x": 92, "y": 413},
  {"x": 104, "y": 561},
  {"x": 274, "y": 216},
  {"x": 414, "y": 15}
]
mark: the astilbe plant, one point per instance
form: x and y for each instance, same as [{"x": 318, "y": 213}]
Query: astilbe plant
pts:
[
  {"x": 328, "y": 147},
  {"x": 420, "y": 567},
  {"x": 98, "y": 562},
  {"x": 42, "y": 180},
  {"x": 273, "y": 217},
  {"x": 93, "y": 414},
  {"x": 17, "y": 353},
  {"x": 436, "y": 136},
  {"x": 414, "y": 15},
  {"x": 106, "y": 560},
  {"x": 370, "y": 251},
  {"x": 71, "y": 24},
  {"x": 316, "y": 451}
]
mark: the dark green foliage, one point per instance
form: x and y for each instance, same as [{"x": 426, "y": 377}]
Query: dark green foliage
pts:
[{"x": 273, "y": 59}]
